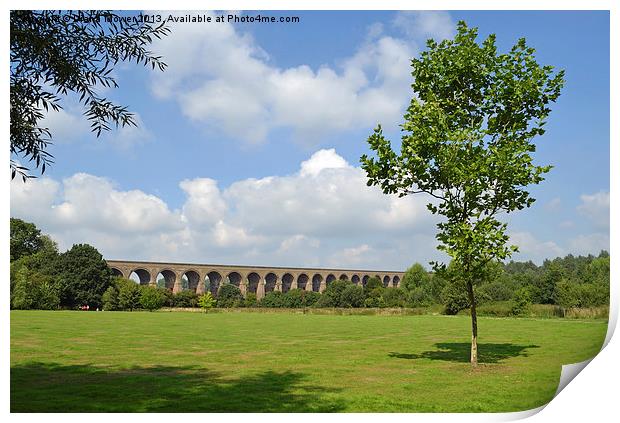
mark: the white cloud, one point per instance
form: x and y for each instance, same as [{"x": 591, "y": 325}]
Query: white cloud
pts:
[
  {"x": 224, "y": 79},
  {"x": 311, "y": 217},
  {"x": 596, "y": 208},
  {"x": 427, "y": 24},
  {"x": 589, "y": 244},
  {"x": 321, "y": 215},
  {"x": 531, "y": 248},
  {"x": 350, "y": 257}
]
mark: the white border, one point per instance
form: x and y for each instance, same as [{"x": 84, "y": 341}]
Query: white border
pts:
[{"x": 591, "y": 396}]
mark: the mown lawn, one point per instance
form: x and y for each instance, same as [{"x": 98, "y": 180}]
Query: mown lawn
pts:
[{"x": 263, "y": 362}]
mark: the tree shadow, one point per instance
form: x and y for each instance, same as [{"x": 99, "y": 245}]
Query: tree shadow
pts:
[
  {"x": 52, "y": 387},
  {"x": 460, "y": 352}
]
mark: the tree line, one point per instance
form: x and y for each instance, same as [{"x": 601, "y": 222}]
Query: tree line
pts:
[{"x": 43, "y": 278}]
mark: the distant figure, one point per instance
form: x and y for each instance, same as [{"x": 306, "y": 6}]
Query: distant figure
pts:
[{"x": 87, "y": 307}]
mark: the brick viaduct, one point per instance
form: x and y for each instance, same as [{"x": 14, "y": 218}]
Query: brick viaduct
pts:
[{"x": 256, "y": 279}]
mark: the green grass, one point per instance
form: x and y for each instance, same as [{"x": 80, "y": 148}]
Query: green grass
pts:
[{"x": 275, "y": 362}]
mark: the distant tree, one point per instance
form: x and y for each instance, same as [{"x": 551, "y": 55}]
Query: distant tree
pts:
[
  {"x": 373, "y": 283},
  {"x": 352, "y": 296},
  {"x": 185, "y": 299},
  {"x": 521, "y": 302},
  {"x": 294, "y": 298},
  {"x": 34, "y": 290},
  {"x": 273, "y": 299},
  {"x": 129, "y": 293},
  {"x": 468, "y": 146},
  {"x": 332, "y": 296},
  {"x": 250, "y": 300},
  {"x": 206, "y": 301},
  {"x": 26, "y": 239},
  {"x": 56, "y": 53},
  {"x": 229, "y": 296},
  {"x": 110, "y": 299},
  {"x": 151, "y": 298},
  {"x": 394, "y": 297},
  {"x": 416, "y": 276},
  {"x": 418, "y": 297},
  {"x": 83, "y": 276}
]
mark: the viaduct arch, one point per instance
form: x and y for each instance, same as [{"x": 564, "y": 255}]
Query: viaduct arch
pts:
[{"x": 250, "y": 279}]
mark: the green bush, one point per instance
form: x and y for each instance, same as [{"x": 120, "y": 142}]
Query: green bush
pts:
[
  {"x": 294, "y": 298},
  {"x": 521, "y": 302},
  {"x": 495, "y": 291},
  {"x": 273, "y": 299},
  {"x": 250, "y": 300},
  {"x": 372, "y": 284},
  {"x": 352, "y": 296},
  {"x": 152, "y": 298},
  {"x": 394, "y": 297},
  {"x": 373, "y": 298},
  {"x": 332, "y": 296},
  {"x": 229, "y": 296},
  {"x": 185, "y": 299},
  {"x": 454, "y": 298},
  {"x": 419, "y": 297}
]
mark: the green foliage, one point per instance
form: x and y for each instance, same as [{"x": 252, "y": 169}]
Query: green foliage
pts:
[
  {"x": 521, "y": 302},
  {"x": 229, "y": 296},
  {"x": 110, "y": 299},
  {"x": 454, "y": 297},
  {"x": 298, "y": 298},
  {"x": 78, "y": 58},
  {"x": 372, "y": 284},
  {"x": 129, "y": 293},
  {"x": 352, "y": 296},
  {"x": 26, "y": 239},
  {"x": 332, "y": 296},
  {"x": 250, "y": 300},
  {"x": 394, "y": 297},
  {"x": 83, "y": 276},
  {"x": 273, "y": 299},
  {"x": 34, "y": 290},
  {"x": 185, "y": 299},
  {"x": 415, "y": 277},
  {"x": 497, "y": 290},
  {"x": 418, "y": 297},
  {"x": 152, "y": 298},
  {"x": 206, "y": 301}
]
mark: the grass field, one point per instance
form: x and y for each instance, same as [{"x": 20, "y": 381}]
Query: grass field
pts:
[{"x": 263, "y": 362}]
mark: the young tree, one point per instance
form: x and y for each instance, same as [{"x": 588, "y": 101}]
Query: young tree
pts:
[
  {"x": 206, "y": 301},
  {"x": 56, "y": 53},
  {"x": 468, "y": 146}
]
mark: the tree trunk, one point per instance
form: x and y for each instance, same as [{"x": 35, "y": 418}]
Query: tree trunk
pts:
[{"x": 474, "y": 325}]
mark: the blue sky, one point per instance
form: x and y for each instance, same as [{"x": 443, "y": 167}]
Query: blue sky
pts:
[{"x": 249, "y": 145}]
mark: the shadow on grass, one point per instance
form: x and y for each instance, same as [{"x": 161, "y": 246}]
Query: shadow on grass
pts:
[
  {"x": 51, "y": 387},
  {"x": 460, "y": 351}
]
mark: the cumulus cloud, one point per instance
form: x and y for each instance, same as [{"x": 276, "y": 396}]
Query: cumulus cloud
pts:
[
  {"x": 221, "y": 77},
  {"x": 323, "y": 214},
  {"x": 532, "y": 248},
  {"x": 427, "y": 24},
  {"x": 595, "y": 207}
]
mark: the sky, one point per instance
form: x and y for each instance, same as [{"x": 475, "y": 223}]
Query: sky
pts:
[{"x": 248, "y": 145}]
